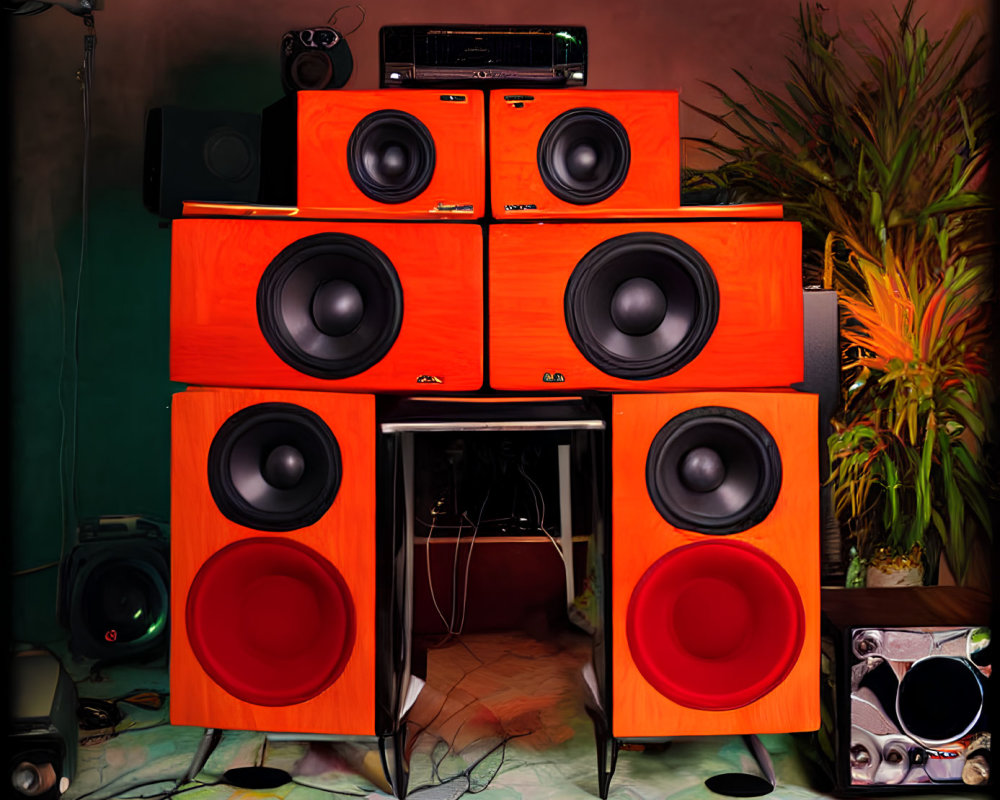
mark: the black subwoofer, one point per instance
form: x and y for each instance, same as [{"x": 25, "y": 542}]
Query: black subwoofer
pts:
[
  {"x": 274, "y": 467},
  {"x": 193, "y": 154},
  {"x": 391, "y": 156},
  {"x": 713, "y": 470},
  {"x": 330, "y": 305},
  {"x": 113, "y": 588},
  {"x": 641, "y": 305},
  {"x": 583, "y": 156}
]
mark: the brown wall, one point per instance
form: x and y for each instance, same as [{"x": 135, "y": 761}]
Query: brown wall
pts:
[{"x": 224, "y": 54}]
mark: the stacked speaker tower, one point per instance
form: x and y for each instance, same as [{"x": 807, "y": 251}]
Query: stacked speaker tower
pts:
[{"x": 377, "y": 275}]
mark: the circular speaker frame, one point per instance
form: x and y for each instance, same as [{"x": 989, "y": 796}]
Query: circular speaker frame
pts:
[
  {"x": 631, "y": 344},
  {"x": 238, "y": 463},
  {"x": 583, "y": 156},
  {"x": 391, "y": 156},
  {"x": 715, "y": 625},
  {"x": 293, "y": 282},
  {"x": 271, "y": 621},
  {"x": 940, "y": 699},
  {"x": 750, "y": 471}
]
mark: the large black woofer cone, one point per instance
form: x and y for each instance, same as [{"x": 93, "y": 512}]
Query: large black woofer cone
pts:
[
  {"x": 642, "y": 305},
  {"x": 330, "y": 305},
  {"x": 274, "y": 467},
  {"x": 390, "y": 156},
  {"x": 583, "y": 156},
  {"x": 713, "y": 470}
]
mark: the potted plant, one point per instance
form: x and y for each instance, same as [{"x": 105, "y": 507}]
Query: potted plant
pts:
[{"x": 879, "y": 151}]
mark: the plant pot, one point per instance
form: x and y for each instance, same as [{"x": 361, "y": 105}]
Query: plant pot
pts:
[{"x": 880, "y": 576}]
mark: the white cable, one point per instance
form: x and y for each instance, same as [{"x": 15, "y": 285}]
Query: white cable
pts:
[
  {"x": 468, "y": 561},
  {"x": 540, "y": 516},
  {"x": 430, "y": 580}
]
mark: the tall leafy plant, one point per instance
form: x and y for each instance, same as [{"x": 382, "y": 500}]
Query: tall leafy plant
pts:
[{"x": 878, "y": 151}]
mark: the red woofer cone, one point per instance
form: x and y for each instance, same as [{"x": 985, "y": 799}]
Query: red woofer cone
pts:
[
  {"x": 715, "y": 625},
  {"x": 271, "y": 621}
]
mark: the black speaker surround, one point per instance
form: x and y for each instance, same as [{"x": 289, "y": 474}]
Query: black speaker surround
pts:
[
  {"x": 193, "y": 154},
  {"x": 641, "y": 305},
  {"x": 391, "y": 156},
  {"x": 330, "y": 305},
  {"x": 274, "y": 467},
  {"x": 584, "y": 155},
  {"x": 713, "y": 470}
]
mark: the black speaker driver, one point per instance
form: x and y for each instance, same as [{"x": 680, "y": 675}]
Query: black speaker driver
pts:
[
  {"x": 391, "y": 156},
  {"x": 274, "y": 467},
  {"x": 330, "y": 305},
  {"x": 123, "y": 601},
  {"x": 713, "y": 470},
  {"x": 584, "y": 155},
  {"x": 642, "y": 305}
]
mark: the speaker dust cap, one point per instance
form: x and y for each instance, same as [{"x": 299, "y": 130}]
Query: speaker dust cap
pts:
[
  {"x": 642, "y": 305},
  {"x": 330, "y": 305},
  {"x": 271, "y": 621},
  {"x": 391, "y": 156},
  {"x": 715, "y": 625},
  {"x": 713, "y": 470},
  {"x": 274, "y": 467},
  {"x": 583, "y": 156}
]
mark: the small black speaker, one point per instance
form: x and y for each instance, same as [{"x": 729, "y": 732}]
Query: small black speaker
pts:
[
  {"x": 314, "y": 58},
  {"x": 42, "y": 732},
  {"x": 199, "y": 155},
  {"x": 113, "y": 589}
]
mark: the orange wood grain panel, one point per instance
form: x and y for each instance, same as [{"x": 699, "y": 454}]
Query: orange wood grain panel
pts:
[
  {"x": 327, "y": 119},
  {"x": 345, "y": 535},
  {"x": 650, "y": 119},
  {"x": 199, "y": 208},
  {"x": 215, "y": 339},
  {"x": 789, "y": 534},
  {"x": 757, "y": 342}
]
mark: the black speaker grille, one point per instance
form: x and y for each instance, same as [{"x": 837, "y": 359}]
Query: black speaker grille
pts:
[
  {"x": 584, "y": 155},
  {"x": 274, "y": 467},
  {"x": 642, "y": 305},
  {"x": 391, "y": 156},
  {"x": 330, "y": 305},
  {"x": 713, "y": 470}
]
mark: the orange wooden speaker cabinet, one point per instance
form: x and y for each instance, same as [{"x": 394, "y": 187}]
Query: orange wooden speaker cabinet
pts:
[
  {"x": 324, "y": 305},
  {"x": 715, "y": 564},
  {"x": 386, "y": 154},
  {"x": 578, "y": 153},
  {"x": 273, "y": 561},
  {"x": 645, "y": 306}
]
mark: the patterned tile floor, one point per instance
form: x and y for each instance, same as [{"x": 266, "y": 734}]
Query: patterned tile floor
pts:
[{"x": 501, "y": 718}]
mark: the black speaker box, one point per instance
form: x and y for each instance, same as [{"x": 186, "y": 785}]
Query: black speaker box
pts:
[
  {"x": 42, "y": 732},
  {"x": 113, "y": 589},
  {"x": 193, "y": 154}
]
